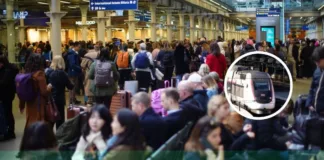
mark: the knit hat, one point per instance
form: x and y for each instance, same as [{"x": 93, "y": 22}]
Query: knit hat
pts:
[{"x": 194, "y": 77}]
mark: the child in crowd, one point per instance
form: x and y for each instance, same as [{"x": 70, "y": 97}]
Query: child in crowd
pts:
[{"x": 211, "y": 86}]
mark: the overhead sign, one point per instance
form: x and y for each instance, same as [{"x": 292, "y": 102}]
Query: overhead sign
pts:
[
  {"x": 16, "y": 15},
  {"x": 144, "y": 16},
  {"x": 305, "y": 27},
  {"x": 87, "y": 23},
  {"x": 97, "y": 5},
  {"x": 241, "y": 28},
  {"x": 287, "y": 26},
  {"x": 268, "y": 12}
]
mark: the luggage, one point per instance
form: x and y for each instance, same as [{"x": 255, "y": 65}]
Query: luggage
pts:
[
  {"x": 156, "y": 100},
  {"x": 3, "y": 124},
  {"x": 131, "y": 86},
  {"x": 122, "y": 99},
  {"x": 315, "y": 132},
  {"x": 300, "y": 107},
  {"x": 74, "y": 110}
]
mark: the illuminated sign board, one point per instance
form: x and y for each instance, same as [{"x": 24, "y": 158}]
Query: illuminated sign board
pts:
[
  {"x": 87, "y": 23},
  {"x": 16, "y": 15},
  {"x": 268, "y": 12},
  {"x": 97, "y": 5}
]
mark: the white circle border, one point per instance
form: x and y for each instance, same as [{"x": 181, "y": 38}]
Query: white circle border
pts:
[{"x": 290, "y": 91}]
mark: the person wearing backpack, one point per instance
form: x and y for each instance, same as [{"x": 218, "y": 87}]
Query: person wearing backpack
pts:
[
  {"x": 32, "y": 90},
  {"x": 165, "y": 60},
  {"x": 87, "y": 60},
  {"x": 74, "y": 69},
  {"x": 8, "y": 73},
  {"x": 105, "y": 77},
  {"x": 123, "y": 61},
  {"x": 141, "y": 63}
]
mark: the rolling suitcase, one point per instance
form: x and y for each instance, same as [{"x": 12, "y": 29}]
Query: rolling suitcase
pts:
[
  {"x": 3, "y": 124},
  {"x": 300, "y": 105},
  {"x": 122, "y": 99}
]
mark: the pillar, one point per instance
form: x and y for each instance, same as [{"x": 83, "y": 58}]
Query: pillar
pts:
[
  {"x": 206, "y": 29},
  {"x": 169, "y": 26},
  {"x": 131, "y": 25},
  {"x": 153, "y": 21},
  {"x": 143, "y": 35},
  {"x": 212, "y": 30},
  {"x": 181, "y": 27},
  {"x": 10, "y": 22},
  {"x": 192, "y": 28},
  {"x": 22, "y": 34},
  {"x": 100, "y": 19},
  {"x": 55, "y": 14},
  {"x": 84, "y": 26},
  {"x": 200, "y": 30},
  {"x": 75, "y": 36},
  {"x": 108, "y": 26}
]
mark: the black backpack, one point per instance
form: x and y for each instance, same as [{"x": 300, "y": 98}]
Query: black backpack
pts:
[{"x": 168, "y": 59}]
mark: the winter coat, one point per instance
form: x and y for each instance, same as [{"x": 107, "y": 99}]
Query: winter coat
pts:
[{"x": 313, "y": 87}]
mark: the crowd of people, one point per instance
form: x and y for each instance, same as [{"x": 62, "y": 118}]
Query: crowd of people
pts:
[{"x": 198, "y": 70}]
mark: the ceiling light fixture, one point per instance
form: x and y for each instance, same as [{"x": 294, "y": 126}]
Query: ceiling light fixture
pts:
[
  {"x": 214, "y": 2},
  {"x": 290, "y": 18},
  {"x": 73, "y": 7},
  {"x": 42, "y": 3},
  {"x": 65, "y": 2},
  {"x": 301, "y": 17},
  {"x": 321, "y": 7},
  {"x": 85, "y": 0}
]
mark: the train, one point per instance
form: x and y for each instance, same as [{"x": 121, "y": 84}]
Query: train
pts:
[{"x": 251, "y": 90}]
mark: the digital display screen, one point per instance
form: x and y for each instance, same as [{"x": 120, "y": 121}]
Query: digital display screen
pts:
[{"x": 270, "y": 32}]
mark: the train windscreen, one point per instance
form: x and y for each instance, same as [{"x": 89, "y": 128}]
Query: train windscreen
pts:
[
  {"x": 262, "y": 85},
  {"x": 263, "y": 91}
]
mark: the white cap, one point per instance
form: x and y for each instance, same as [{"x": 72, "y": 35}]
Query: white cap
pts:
[{"x": 195, "y": 77}]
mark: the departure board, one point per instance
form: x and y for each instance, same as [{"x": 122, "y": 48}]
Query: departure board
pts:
[{"x": 268, "y": 12}]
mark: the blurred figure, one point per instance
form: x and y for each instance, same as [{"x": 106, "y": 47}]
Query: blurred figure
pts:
[
  {"x": 291, "y": 58},
  {"x": 38, "y": 142},
  {"x": 216, "y": 56},
  {"x": 210, "y": 84}
]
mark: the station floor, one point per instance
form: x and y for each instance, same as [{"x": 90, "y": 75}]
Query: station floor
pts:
[{"x": 9, "y": 149}]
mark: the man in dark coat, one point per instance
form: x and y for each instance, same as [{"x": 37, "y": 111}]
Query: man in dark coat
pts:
[
  {"x": 319, "y": 95},
  {"x": 153, "y": 127}
]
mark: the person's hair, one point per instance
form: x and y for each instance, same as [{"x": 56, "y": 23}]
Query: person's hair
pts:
[
  {"x": 209, "y": 81},
  {"x": 142, "y": 97},
  {"x": 166, "y": 46},
  {"x": 58, "y": 63},
  {"x": 4, "y": 60},
  {"x": 289, "y": 108},
  {"x": 37, "y": 136},
  {"x": 269, "y": 44},
  {"x": 205, "y": 47},
  {"x": 318, "y": 53},
  {"x": 214, "y": 75},
  {"x": 104, "y": 55},
  {"x": 132, "y": 134},
  {"x": 214, "y": 103},
  {"x": 131, "y": 45},
  {"x": 234, "y": 122},
  {"x": 34, "y": 63},
  {"x": 104, "y": 114},
  {"x": 125, "y": 47},
  {"x": 201, "y": 130},
  {"x": 186, "y": 86},
  {"x": 149, "y": 47},
  {"x": 172, "y": 93},
  {"x": 204, "y": 70},
  {"x": 156, "y": 45},
  {"x": 277, "y": 46},
  {"x": 214, "y": 49},
  {"x": 76, "y": 44}
]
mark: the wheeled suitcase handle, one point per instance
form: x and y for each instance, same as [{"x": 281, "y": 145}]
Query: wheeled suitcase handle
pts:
[{"x": 166, "y": 84}]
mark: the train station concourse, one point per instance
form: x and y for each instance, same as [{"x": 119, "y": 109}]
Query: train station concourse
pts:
[{"x": 148, "y": 79}]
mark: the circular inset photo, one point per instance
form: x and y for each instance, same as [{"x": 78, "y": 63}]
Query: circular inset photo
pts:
[{"x": 258, "y": 85}]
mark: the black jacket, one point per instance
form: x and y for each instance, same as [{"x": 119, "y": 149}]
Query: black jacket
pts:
[
  {"x": 59, "y": 80},
  {"x": 248, "y": 48},
  {"x": 202, "y": 98},
  {"x": 7, "y": 82},
  {"x": 175, "y": 122},
  {"x": 182, "y": 67},
  {"x": 265, "y": 131},
  {"x": 153, "y": 128},
  {"x": 313, "y": 88},
  {"x": 319, "y": 96},
  {"x": 192, "y": 112}
]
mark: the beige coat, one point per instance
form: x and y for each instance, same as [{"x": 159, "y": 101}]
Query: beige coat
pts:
[{"x": 85, "y": 64}]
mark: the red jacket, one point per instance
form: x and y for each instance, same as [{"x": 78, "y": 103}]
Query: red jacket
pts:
[{"x": 217, "y": 64}]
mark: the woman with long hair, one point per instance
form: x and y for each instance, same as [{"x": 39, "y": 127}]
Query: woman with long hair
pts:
[
  {"x": 59, "y": 80},
  {"x": 165, "y": 60},
  {"x": 210, "y": 84},
  {"x": 35, "y": 109},
  {"x": 205, "y": 141},
  {"x": 216, "y": 60},
  {"x": 103, "y": 94},
  {"x": 182, "y": 60},
  {"x": 95, "y": 133},
  {"x": 38, "y": 142},
  {"x": 127, "y": 141}
]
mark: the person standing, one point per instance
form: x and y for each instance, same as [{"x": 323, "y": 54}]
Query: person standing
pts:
[
  {"x": 35, "y": 109},
  {"x": 123, "y": 61},
  {"x": 292, "y": 50},
  {"x": 74, "y": 69},
  {"x": 182, "y": 60},
  {"x": 165, "y": 60},
  {"x": 59, "y": 80},
  {"x": 8, "y": 73},
  {"x": 216, "y": 61},
  {"x": 105, "y": 75}
]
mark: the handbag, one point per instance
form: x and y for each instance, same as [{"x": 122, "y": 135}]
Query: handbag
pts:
[{"x": 51, "y": 112}]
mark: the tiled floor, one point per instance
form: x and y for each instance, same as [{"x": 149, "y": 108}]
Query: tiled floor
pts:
[{"x": 9, "y": 149}]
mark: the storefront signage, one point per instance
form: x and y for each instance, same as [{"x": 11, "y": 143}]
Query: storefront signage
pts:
[
  {"x": 88, "y": 22},
  {"x": 241, "y": 28},
  {"x": 16, "y": 15},
  {"x": 96, "y": 5},
  {"x": 305, "y": 27}
]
